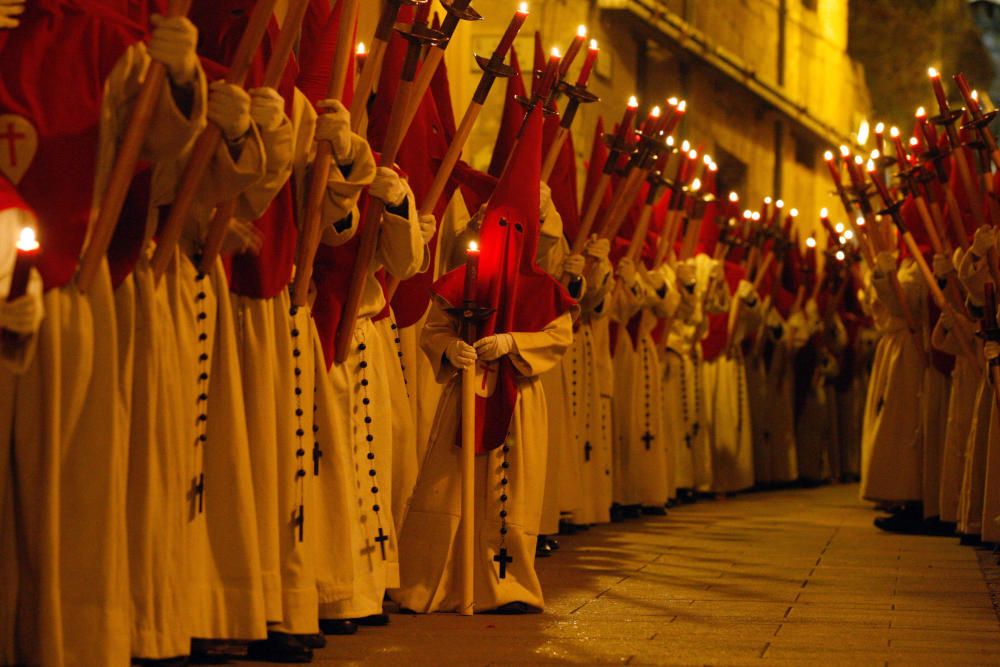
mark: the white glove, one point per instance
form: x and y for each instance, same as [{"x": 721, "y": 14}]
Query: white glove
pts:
[
  {"x": 428, "y": 225},
  {"x": 746, "y": 292},
  {"x": 597, "y": 248},
  {"x": 626, "y": 270},
  {"x": 885, "y": 263},
  {"x": 460, "y": 354},
  {"x": 24, "y": 314},
  {"x": 992, "y": 350},
  {"x": 984, "y": 241},
  {"x": 267, "y": 108},
  {"x": 229, "y": 108},
  {"x": 388, "y": 187},
  {"x": 942, "y": 265},
  {"x": 812, "y": 311},
  {"x": 173, "y": 43},
  {"x": 574, "y": 265},
  {"x": 242, "y": 237},
  {"x": 686, "y": 274},
  {"x": 334, "y": 125},
  {"x": 492, "y": 348},
  {"x": 9, "y": 11},
  {"x": 544, "y": 199}
]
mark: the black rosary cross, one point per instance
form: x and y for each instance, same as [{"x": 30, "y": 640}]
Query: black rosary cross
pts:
[
  {"x": 648, "y": 438},
  {"x": 503, "y": 559},
  {"x": 382, "y": 539},
  {"x": 198, "y": 491},
  {"x": 317, "y": 455},
  {"x": 687, "y": 440},
  {"x": 300, "y": 521},
  {"x": 587, "y": 447}
]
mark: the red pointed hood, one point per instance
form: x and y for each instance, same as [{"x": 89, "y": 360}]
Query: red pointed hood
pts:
[
  {"x": 715, "y": 342},
  {"x": 595, "y": 166},
  {"x": 523, "y": 296},
  {"x": 510, "y": 120},
  {"x": 563, "y": 178}
]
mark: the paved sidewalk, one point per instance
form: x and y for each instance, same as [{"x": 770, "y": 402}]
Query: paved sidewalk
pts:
[{"x": 791, "y": 577}]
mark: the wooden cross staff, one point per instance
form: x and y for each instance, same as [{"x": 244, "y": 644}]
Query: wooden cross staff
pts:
[
  {"x": 208, "y": 141},
  {"x": 224, "y": 212},
  {"x": 312, "y": 222},
  {"x": 124, "y": 167}
]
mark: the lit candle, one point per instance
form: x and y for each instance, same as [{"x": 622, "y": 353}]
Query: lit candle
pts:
[
  {"x": 831, "y": 164},
  {"x": 573, "y": 50},
  {"x": 942, "y": 99},
  {"x": 880, "y": 137},
  {"x": 969, "y": 95},
  {"x": 854, "y": 169},
  {"x": 930, "y": 134},
  {"x": 27, "y": 255},
  {"x": 625, "y": 126},
  {"x": 883, "y": 191},
  {"x": 471, "y": 272},
  {"x": 674, "y": 120},
  {"x": 360, "y": 56},
  {"x": 901, "y": 157},
  {"x": 588, "y": 64},
  {"x": 549, "y": 75},
  {"x": 514, "y": 27},
  {"x": 652, "y": 120}
]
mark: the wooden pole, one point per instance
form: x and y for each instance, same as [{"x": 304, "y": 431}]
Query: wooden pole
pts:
[
  {"x": 208, "y": 141},
  {"x": 372, "y": 221},
  {"x": 552, "y": 157},
  {"x": 123, "y": 169},
  {"x": 467, "y": 525},
  {"x": 372, "y": 68},
  {"x": 287, "y": 38},
  {"x": 312, "y": 222}
]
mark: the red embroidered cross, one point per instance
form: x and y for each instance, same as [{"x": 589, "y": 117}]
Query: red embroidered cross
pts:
[
  {"x": 12, "y": 135},
  {"x": 486, "y": 369}
]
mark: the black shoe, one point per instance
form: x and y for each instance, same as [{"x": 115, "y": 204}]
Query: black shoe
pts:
[
  {"x": 542, "y": 548},
  {"x": 513, "y": 608},
  {"x": 212, "y": 652},
  {"x": 176, "y": 661},
  {"x": 552, "y": 543},
  {"x": 280, "y": 647},
  {"x": 567, "y": 528},
  {"x": 654, "y": 511},
  {"x": 313, "y": 641},
  {"x": 905, "y": 523},
  {"x": 337, "y": 626},
  {"x": 970, "y": 540},
  {"x": 632, "y": 511},
  {"x": 373, "y": 621},
  {"x": 617, "y": 514}
]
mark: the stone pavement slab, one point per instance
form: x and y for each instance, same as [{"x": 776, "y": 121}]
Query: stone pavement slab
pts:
[{"x": 784, "y": 578}]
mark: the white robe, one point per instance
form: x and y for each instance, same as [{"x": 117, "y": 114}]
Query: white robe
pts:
[{"x": 429, "y": 553}]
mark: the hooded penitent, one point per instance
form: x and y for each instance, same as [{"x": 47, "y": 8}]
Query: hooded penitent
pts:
[{"x": 522, "y": 296}]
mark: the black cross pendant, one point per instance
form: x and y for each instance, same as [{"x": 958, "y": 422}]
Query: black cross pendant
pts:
[
  {"x": 300, "y": 521},
  {"x": 648, "y": 438},
  {"x": 586, "y": 450},
  {"x": 317, "y": 455},
  {"x": 503, "y": 559},
  {"x": 687, "y": 440},
  {"x": 382, "y": 539},
  {"x": 198, "y": 491}
]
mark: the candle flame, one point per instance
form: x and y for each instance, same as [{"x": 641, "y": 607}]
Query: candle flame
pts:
[
  {"x": 932, "y": 73},
  {"x": 844, "y": 151},
  {"x": 593, "y": 45},
  {"x": 811, "y": 242},
  {"x": 686, "y": 146},
  {"x": 755, "y": 216},
  {"x": 824, "y": 213},
  {"x": 780, "y": 203},
  {"x": 860, "y": 221},
  {"x": 875, "y": 154},
  {"x": 26, "y": 241},
  {"x": 673, "y": 101},
  {"x": 522, "y": 8},
  {"x": 858, "y": 160},
  {"x": 863, "y": 131},
  {"x": 914, "y": 141},
  {"x": 839, "y": 228},
  {"x": 794, "y": 213},
  {"x": 870, "y": 166},
  {"x": 848, "y": 234},
  {"x": 921, "y": 112},
  {"x": 555, "y": 52},
  {"x": 733, "y": 197},
  {"x": 880, "y": 128},
  {"x": 768, "y": 200},
  {"x": 975, "y": 95},
  {"x": 670, "y": 140},
  {"x": 473, "y": 246},
  {"x": 655, "y": 113},
  {"x": 361, "y": 49},
  {"x": 894, "y": 132},
  {"x": 707, "y": 160},
  {"x": 693, "y": 154},
  {"x": 581, "y": 31},
  {"x": 696, "y": 185},
  {"x": 633, "y": 102},
  {"x": 840, "y": 255},
  {"x": 828, "y": 156},
  {"x": 682, "y": 106},
  {"x": 747, "y": 214}
]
